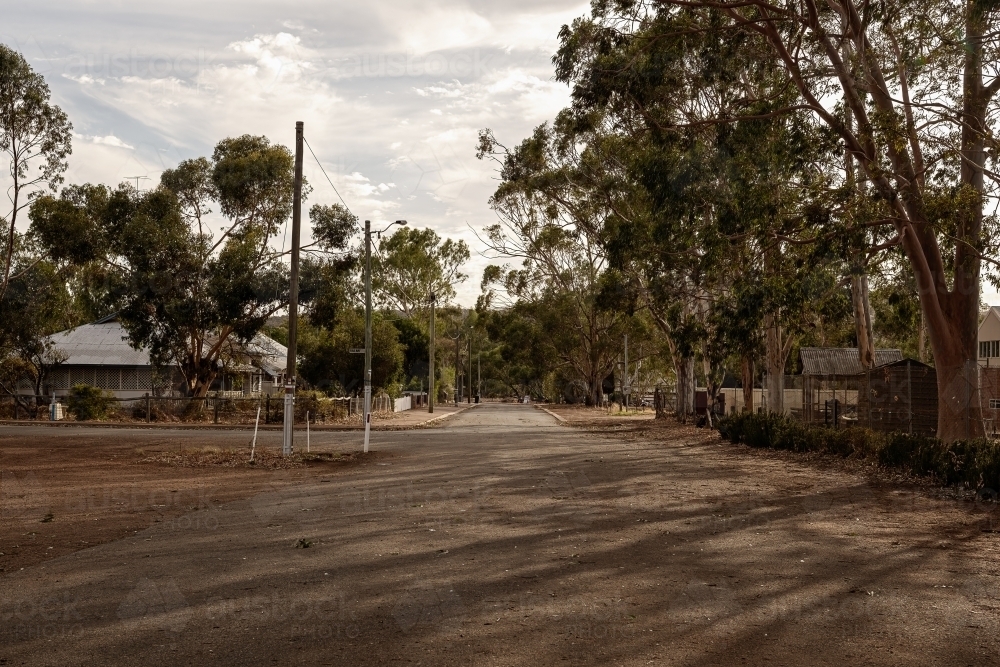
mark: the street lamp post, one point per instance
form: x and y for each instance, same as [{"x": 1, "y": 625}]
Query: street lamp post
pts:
[
  {"x": 430, "y": 380},
  {"x": 368, "y": 324},
  {"x": 457, "y": 337}
]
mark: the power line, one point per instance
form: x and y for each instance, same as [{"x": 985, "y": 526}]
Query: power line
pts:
[{"x": 327, "y": 177}]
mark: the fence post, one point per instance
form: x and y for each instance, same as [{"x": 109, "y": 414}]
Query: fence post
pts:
[
  {"x": 267, "y": 409},
  {"x": 147, "y": 408}
]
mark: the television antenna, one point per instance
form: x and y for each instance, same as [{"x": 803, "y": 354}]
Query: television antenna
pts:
[{"x": 137, "y": 179}]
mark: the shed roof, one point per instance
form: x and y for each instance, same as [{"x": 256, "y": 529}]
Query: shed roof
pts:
[
  {"x": 905, "y": 362},
  {"x": 841, "y": 360}
]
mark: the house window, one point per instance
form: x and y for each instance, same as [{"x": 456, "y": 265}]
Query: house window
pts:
[
  {"x": 989, "y": 348},
  {"x": 995, "y": 404}
]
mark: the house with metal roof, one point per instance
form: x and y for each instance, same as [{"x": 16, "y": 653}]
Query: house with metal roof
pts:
[{"x": 99, "y": 354}]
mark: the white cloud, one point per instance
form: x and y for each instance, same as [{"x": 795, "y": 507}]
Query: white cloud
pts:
[
  {"x": 111, "y": 140},
  {"x": 392, "y": 94}
]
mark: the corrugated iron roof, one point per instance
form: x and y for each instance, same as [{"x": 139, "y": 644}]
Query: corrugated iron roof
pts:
[
  {"x": 841, "y": 360},
  {"x": 103, "y": 343}
]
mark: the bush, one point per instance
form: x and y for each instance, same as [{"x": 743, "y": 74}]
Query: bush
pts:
[
  {"x": 87, "y": 402},
  {"x": 971, "y": 463},
  {"x": 319, "y": 407}
]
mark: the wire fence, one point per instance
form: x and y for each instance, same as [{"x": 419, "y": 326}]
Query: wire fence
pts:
[
  {"x": 210, "y": 409},
  {"x": 903, "y": 396}
]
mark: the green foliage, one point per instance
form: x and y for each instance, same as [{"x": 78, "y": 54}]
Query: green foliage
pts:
[
  {"x": 416, "y": 348},
  {"x": 328, "y": 365},
  {"x": 413, "y": 263},
  {"x": 182, "y": 293},
  {"x": 89, "y": 403},
  {"x": 36, "y": 304},
  {"x": 35, "y": 140},
  {"x": 327, "y": 280},
  {"x": 973, "y": 464}
]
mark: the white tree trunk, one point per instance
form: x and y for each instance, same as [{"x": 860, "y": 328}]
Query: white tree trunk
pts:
[{"x": 863, "y": 321}]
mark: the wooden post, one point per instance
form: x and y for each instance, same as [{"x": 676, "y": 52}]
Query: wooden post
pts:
[{"x": 148, "y": 415}]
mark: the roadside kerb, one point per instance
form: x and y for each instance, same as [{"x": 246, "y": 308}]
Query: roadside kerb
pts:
[
  {"x": 444, "y": 416},
  {"x": 561, "y": 420}
]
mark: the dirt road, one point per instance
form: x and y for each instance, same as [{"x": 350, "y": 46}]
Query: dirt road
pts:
[{"x": 504, "y": 538}]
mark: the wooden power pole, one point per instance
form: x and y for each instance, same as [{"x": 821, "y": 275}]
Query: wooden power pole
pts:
[
  {"x": 287, "y": 444},
  {"x": 430, "y": 379}
]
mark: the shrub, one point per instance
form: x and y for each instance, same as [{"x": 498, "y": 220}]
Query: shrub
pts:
[
  {"x": 971, "y": 463},
  {"x": 87, "y": 402}
]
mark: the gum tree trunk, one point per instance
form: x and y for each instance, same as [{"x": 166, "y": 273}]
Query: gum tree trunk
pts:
[
  {"x": 863, "y": 328},
  {"x": 685, "y": 388},
  {"x": 746, "y": 367},
  {"x": 774, "y": 380}
]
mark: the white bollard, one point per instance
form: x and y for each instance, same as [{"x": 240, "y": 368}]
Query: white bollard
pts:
[{"x": 253, "y": 445}]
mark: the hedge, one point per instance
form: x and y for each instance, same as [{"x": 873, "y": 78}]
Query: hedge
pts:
[{"x": 970, "y": 463}]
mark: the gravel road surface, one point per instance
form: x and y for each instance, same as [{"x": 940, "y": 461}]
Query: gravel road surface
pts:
[{"x": 505, "y": 538}]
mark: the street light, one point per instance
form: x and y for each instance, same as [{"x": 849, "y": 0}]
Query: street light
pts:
[
  {"x": 458, "y": 386},
  {"x": 430, "y": 379},
  {"x": 368, "y": 322}
]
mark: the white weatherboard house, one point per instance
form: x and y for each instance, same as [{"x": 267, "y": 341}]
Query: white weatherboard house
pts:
[
  {"x": 100, "y": 355},
  {"x": 989, "y": 338}
]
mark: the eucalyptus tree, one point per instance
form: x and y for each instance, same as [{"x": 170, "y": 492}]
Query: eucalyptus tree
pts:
[
  {"x": 546, "y": 220},
  {"x": 185, "y": 292},
  {"x": 413, "y": 263},
  {"x": 909, "y": 89},
  {"x": 36, "y": 140}
]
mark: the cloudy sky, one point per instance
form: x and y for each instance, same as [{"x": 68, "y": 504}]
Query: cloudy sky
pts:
[{"x": 392, "y": 93}]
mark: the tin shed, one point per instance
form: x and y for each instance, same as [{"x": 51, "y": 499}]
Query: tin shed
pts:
[{"x": 833, "y": 374}]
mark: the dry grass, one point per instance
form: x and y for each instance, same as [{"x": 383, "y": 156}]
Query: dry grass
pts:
[{"x": 264, "y": 459}]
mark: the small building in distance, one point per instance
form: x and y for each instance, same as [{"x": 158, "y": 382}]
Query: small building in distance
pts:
[
  {"x": 989, "y": 338},
  {"x": 989, "y": 368},
  {"x": 100, "y": 355},
  {"x": 834, "y": 374}
]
